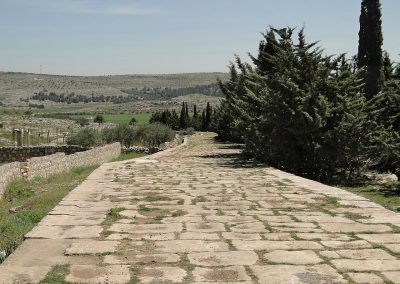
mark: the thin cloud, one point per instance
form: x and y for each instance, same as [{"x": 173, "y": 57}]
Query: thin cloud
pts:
[
  {"x": 118, "y": 10},
  {"x": 100, "y": 7}
]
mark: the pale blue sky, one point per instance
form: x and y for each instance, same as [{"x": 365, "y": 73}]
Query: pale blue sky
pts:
[{"x": 100, "y": 37}]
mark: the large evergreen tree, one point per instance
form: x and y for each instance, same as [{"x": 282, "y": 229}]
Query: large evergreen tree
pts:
[
  {"x": 370, "y": 56},
  {"x": 299, "y": 110}
]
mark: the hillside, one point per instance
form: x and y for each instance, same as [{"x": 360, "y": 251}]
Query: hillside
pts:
[{"x": 17, "y": 86}]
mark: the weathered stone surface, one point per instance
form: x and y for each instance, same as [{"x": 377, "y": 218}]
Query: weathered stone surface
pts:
[
  {"x": 393, "y": 247},
  {"x": 297, "y": 274},
  {"x": 162, "y": 275},
  {"x": 240, "y": 236},
  {"x": 365, "y": 278},
  {"x": 185, "y": 246},
  {"x": 329, "y": 254},
  {"x": 293, "y": 257},
  {"x": 227, "y": 274},
  {"x": 381, "y": 238},
  {"x": 205, "y": 227},
  {"x": 147, "y": 228},
  {"x": 223, "y": 258},
  {"x": 141, "y": 258},
  {"x": 359, "y": 244},
  {"x": 91, "y": 247},
  {"x": 58, "y": 232},
  {"x": 393, "y": 276},
  {"x": 275, "y": 245},
  {"x": 199, "y": 236},
  {"x": 354, "y": 228},
  {"x": 365, "y": 254},
  {"x": 99, "y": 274},
  {"x": 366, "y": 264}
]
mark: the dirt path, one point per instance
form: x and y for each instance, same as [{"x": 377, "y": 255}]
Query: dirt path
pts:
[{"x": 195, "y": 214}]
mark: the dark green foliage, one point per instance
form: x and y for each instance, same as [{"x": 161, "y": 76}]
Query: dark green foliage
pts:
[
  {"x": 125, "y": 134},
  {"x": 166, "y": 117},
  {"x": 370, "y": 56},
  {"x": 133, "y": 121},
  {"x": 133, "y": 95},
  {"x": 86, "y": 137},
  {"x": 301, "y": 111},
  {"x": 99, "y": 119},
  {"x": 208, "y": 117},
  {"x": 203, "y": 121},
  {"x": 196, "y": 119},
  {"x": 82, "y": 121},
  {"x": 153, "y": 135},
  {"x": 184, "y": 117},
  {"x": 185, "y": 121}
]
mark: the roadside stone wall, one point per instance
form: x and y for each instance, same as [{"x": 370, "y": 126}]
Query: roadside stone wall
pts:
[
  {"x": 59, "y": 162},
  {"x": 20, "y": 154},
  {"x": 56, "y": 163}
]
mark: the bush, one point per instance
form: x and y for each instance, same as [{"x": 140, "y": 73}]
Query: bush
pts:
[
  {"x": 123, "y": 133},
  {"x": 82, "y": 121},
  {"x": 86, "y": 137},
  {"x": 99, "y": 119},
  {"x": 153, "y": 135},
  {"x": 133, "y": 121}
]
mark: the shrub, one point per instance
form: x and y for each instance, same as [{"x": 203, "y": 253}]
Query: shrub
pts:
[
  {"x": 123, "y": 133},
  {"x": 153, "y": 135},
  {"x": 82, "y": 121},
  {"x": 86, "y": 137},
  {"x": 99, "y": 119},
  {"x": 133, "y": 121}
]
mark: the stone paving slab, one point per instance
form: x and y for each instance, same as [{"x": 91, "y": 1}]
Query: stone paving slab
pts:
[{"x": 196, "y": 214}]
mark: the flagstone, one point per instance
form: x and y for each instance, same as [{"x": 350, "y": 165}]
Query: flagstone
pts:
[
  {"x": 248, "y": 229},
  {"x": 229, "y": 258}
]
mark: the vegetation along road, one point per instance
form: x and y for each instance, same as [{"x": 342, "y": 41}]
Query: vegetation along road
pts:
[{"x": 196, "y": 213}]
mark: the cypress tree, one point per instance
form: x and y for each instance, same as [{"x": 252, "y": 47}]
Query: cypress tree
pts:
[
  {"x": 370, "y": 46},
  {"x": 203, "y": 121},
  {"x": 362, "y": 37},
  {"x": 196, "y": 123},
  {"x": 182, "y": 118},
  {"x": 208, "y": 116},
  {"x": 187, "y": 117}
]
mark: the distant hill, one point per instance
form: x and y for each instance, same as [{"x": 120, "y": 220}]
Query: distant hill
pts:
[{"x": 16, "y": 86}]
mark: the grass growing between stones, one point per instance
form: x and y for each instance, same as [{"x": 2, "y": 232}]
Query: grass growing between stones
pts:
[
  {"x": 128, "y": 156},
  {"x": 56, "y": 275},
  {"x": 198, "y": 199},
  {"x": 155, "y": 198},
  {"x": 25, "y": 203},
  {"x": 113, "y": 216}
]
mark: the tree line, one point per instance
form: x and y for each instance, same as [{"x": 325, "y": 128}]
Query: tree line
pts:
[
  {"x": 198, "y": 120},
  {"x": 324, "y": 117},
  {"x": 133, "y": 95}
]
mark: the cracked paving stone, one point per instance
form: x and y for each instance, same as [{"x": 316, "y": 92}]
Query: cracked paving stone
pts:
[
  {"x": 293, "y": 257},
  {"x": 226, "y": 274},
  {"x": 297, "y": 274},
  {"x": 230, "y": 258}
]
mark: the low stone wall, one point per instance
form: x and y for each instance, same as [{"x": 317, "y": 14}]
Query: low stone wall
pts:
[
  {"x": 20, "y": 154},
  {"x": 56, "y": 163}
]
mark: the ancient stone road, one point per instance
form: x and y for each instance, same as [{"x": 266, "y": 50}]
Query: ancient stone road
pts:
[{"x": 195, "y": 214}]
